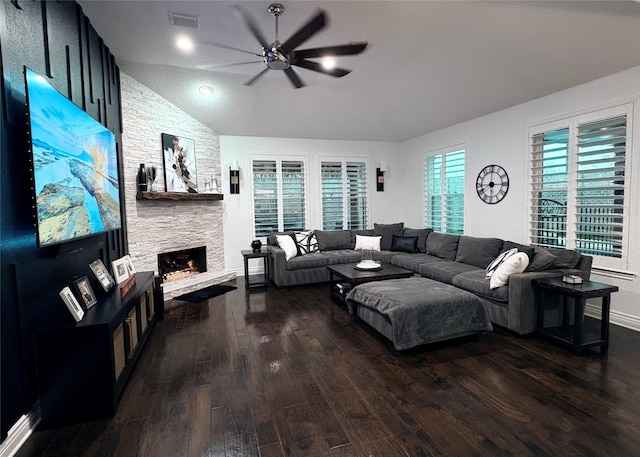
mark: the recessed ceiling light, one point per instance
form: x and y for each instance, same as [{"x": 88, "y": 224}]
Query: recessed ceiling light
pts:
[
  {"x": 329, "y": 63},
  {"x": 184, "y": 43},
  {"x": 206, "y": 90}
]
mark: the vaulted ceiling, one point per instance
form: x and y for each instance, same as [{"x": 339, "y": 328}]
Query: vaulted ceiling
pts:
[{"x": 430, "y": 64}]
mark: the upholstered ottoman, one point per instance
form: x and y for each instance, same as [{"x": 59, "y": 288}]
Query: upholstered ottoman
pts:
[{"x": 415, "y": 311}]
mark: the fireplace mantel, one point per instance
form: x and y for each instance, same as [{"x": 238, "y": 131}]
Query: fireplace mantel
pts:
[{"x": 178, "y": 196}]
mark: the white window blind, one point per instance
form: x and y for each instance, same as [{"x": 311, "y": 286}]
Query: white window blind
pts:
[
  {"x": 579, "y": 185},
  {"x": 344, "y": 195},
  {"x": 444, "y": 186},
  {"x": 278, "y": 196}
]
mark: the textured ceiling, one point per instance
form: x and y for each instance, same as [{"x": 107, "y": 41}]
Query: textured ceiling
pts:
[{"x": 430, "y": 64}]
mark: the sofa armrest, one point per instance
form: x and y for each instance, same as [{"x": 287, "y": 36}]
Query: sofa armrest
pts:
[
  {"x": 277, "y": 265},
  {"x": 522, "y": 311}
]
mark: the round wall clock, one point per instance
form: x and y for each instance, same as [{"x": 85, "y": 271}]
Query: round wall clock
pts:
[{"x": 492, "y": 184}]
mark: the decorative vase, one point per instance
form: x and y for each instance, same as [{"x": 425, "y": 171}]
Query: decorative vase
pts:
[
  {"x": 142, "y": 179},
  {"x": 256, "y": 245}
]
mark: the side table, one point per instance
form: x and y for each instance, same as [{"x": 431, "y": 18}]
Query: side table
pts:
[
  {"x": 250, "y": 254},
  {"x": 566, "y": 334}
]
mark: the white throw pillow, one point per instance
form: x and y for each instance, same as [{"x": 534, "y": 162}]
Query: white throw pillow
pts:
[
  {"x": 368, "y": 242},
  {"x": 516, "y": 263},
  {"x": 287, "y": 244},
  {"x": 495, "y": 263}
]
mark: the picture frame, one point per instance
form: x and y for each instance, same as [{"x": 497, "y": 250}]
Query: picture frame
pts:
[
  {"x": 179, "y": 159},
  {"x": 129, "y": 264},
  {"x": 72, "y": 304},
  {"x": 86, "y": 292},
  {"x": 119, "y": 269},
  {"x": 102, "y": 274}
]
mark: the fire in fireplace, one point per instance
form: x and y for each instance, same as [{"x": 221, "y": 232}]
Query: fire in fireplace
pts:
[{"x": 182, "y": 264}]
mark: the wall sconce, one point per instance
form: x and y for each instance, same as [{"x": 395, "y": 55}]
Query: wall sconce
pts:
[
  {"x": 234, "y": 177},
  {"x": 380, "y": 176}
]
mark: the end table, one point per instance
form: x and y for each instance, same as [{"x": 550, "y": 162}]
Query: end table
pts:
[
  {"x": 573, "y": 336},
  {"x": 250, "y": 254}
]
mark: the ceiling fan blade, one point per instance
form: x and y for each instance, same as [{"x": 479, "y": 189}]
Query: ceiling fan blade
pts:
[
  {"x": 313, "y": 26},
  {"x": 315, "y": 66},
  {"x": 224, "y": 46},
  {"x": 214, "y": 66},
  {"x": 294, "y": 78},
  {"x": 255, "y": 78},
  {"x": 255, "y": 30},
  {"x": 340, "y": 50}
]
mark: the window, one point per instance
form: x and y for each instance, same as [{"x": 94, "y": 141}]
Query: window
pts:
[
  {"x": 444, "y": 186},
  {"x": 278, "y": 195},
  {"x": 344, "y": 195},
  {"x": 580, "y": 185}
]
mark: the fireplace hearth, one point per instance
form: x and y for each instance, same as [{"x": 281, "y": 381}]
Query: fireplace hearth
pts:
[{"x": 182, "y": 264}]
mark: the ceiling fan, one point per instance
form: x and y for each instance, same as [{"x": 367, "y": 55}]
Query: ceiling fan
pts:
[{"x": 284, "y": 56}]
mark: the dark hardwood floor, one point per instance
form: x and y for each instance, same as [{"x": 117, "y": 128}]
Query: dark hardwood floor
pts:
[{"x": 289, "y": 373}]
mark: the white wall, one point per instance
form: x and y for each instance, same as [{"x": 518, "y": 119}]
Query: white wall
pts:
[
  {"x": 501, "y": 138},
  {"x": 238, "y": 226}
]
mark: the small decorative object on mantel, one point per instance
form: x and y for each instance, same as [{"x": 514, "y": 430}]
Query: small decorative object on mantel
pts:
[
  {"x": 142, "y": 178},
  {"x": 151, "y": 178},
  {"x": 256, "y": 245}
]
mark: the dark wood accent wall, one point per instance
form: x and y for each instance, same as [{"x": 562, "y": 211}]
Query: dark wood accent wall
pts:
[{"x": 55, "y": 40}]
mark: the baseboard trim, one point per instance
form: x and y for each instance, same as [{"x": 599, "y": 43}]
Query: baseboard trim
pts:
[
  {"x": 19, "y": 433},
  {"x": 615, "y": 317}
]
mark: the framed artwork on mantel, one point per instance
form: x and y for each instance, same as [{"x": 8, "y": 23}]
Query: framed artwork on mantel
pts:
[{"x": 179, "y": 158}]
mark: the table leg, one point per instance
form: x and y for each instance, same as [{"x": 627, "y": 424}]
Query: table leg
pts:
[
  {"x": 246, "y": 272},
  {"x": 540, "y": 308},
  {"x": 604, "y": 324},
  {"x": 565, "y": 311},
  {"x": 577, "y": 324}
]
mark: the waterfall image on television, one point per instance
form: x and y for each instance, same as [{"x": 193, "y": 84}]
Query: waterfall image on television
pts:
[{"x": 74, "y": 166}]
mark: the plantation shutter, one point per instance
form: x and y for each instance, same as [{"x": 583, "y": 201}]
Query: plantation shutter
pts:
[
  {"x": 332, "y": 195},
  {"x": 265, "y": 197},
  {"x": 600, "y": 183},
  {"x": 356, "y": 195},
  {"x": 444, "y": 186},
  {"x": 549, "y": 180},
  {"x": 293, "y": 195}
]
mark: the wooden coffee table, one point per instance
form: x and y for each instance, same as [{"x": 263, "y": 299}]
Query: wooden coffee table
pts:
[{"x": 343, "y": 277}]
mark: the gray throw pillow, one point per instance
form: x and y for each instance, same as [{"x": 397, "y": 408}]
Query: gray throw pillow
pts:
[
  {"x": 422, "y": 235},
  {"x": 508, "y": 245},
  {"x": 478, "y": 252},
  {"x": 565, "y": 258},
  {"x": 329, "y": 240},
  {"x": 542, "y": 260},
  {"x": 386, "y": 231},
  {"x": 442, "y": 245}
]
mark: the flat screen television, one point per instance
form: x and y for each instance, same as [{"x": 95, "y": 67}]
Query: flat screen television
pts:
[{"x": 75, "y": 167}]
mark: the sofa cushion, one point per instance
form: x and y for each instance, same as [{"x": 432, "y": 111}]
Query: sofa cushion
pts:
[
  {"x": 565, "y": 258},
  {"x": 422, "y": 235},
  {"x": 413, "y": 261},
  {"x": 475, "y": 281},
  {"x": 442, "y": 245},
  {"x": 403, "y": 243},
  {"x": 384, "y": 256},
  {"x": 478, "y": 252},
  {"x": 542, "y": 260},
  {"x": 367, "y": 242},
  {"x": 529, "y": 250},
  {"x": 329, "y": 240},
  {"x": 343, "y": 256},
  {"x": 311, "y": 260},
  {"x": 386, "y": 231},
  {"x": 514, "y": 264},
  {"x": 288, "y": 244},
  {"x": 445, "y": 271}
]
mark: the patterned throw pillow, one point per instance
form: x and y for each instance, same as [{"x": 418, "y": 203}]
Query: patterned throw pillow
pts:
[
  {"x": 498, "y": 261},
  {"x": 307, "y": 242}
]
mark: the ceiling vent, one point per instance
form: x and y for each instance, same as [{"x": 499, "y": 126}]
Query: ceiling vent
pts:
[{"x": 183, "y": 20}]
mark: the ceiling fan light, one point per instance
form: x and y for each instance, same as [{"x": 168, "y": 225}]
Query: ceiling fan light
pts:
[
  {"x": 329, "y": 63},
  {"x": 184, "y": 43}
]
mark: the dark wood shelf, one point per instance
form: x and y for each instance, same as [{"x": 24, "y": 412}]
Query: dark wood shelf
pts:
[{"x": 175, "y": 196}]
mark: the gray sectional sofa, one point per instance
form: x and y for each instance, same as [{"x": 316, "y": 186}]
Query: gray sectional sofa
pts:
[{"x": 456, "y": 260}]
